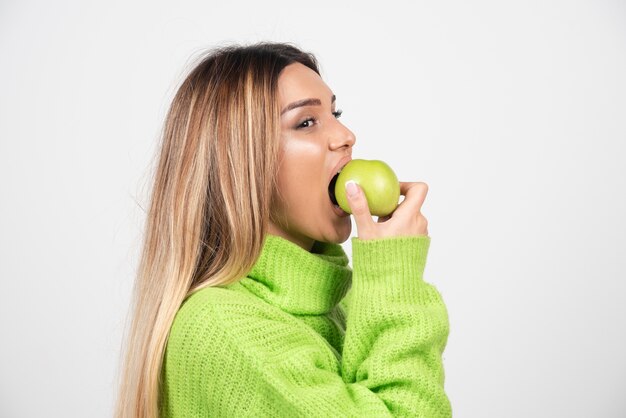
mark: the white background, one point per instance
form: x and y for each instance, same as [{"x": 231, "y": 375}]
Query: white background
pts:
[{"x": 514, "y": 113}]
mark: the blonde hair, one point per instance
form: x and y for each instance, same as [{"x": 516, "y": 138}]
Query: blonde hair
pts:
[{"x": 210, "y": 202}]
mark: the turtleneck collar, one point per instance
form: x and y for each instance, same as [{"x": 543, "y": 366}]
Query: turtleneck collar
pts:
[{"x": 298, "y": 281}]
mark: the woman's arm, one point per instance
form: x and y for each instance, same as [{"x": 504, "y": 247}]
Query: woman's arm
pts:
[{"x": 397, "y": 327}]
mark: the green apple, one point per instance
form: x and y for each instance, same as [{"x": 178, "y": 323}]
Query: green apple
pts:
[{"x": 378, "y": 182}]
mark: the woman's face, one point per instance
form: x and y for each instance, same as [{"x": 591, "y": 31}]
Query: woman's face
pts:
[{"x": 313, "y": 141}]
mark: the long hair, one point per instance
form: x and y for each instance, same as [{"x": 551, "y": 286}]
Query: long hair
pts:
[{"x": 210, "y": 201}]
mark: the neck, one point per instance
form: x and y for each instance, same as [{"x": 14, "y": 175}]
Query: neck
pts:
[{"x": 303, "y": 241}]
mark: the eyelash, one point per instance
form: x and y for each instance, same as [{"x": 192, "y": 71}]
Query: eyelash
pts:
[{"x": 337, "y": 114}]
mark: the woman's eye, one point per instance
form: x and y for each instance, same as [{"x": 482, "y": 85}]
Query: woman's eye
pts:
[{"x": 304, "y": 122}]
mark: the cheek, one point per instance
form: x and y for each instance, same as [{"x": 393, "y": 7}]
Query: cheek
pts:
[
  {"x": 301, "y": 172},
  {"x": 298, "y": 183}
]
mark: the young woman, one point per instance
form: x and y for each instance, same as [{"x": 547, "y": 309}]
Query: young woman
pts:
[{"x": 244, "y": 304}]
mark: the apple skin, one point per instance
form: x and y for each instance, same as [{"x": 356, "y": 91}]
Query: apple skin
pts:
[{"x": 378, "y": 182}]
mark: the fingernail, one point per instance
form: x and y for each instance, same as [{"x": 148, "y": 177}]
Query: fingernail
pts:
[{"x": 351, "y": 188}]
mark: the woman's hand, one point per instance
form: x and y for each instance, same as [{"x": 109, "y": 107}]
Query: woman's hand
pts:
[{"x": 405, "y": 220}]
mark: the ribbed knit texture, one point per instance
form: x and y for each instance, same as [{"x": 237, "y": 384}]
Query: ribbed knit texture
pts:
[{"x": 304, "y": 335}]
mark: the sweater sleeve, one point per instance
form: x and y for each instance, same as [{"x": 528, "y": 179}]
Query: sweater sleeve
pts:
[
  {"x": 252, "y": 362},
  {"x": 397, "y": 327}
]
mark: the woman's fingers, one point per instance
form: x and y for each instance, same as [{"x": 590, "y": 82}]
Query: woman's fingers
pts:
[
  {"x": 414, "y": 194},
  {"x": 359, "y": 208},
  {"x": 407, "y": 219}
]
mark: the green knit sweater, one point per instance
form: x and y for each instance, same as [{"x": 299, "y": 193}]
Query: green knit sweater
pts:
[{"x": 304, "y": 335}]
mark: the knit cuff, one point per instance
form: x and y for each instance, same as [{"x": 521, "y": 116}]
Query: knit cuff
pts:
[{"x": 390, "y": 258}]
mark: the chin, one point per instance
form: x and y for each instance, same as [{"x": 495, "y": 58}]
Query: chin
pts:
[
  {"x": 342, "y": 233},
  {"x": 347, "y": 235}
]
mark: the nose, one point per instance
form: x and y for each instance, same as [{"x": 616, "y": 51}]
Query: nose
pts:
[{"x": 342, "y": 137}]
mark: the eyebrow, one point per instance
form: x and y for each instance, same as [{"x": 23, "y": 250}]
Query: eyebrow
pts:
[{"x": 305, "y": 102}]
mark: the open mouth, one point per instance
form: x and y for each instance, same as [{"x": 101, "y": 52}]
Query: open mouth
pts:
[{"x": 331, "y": 189}]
